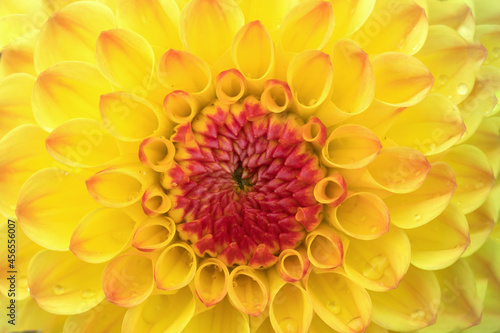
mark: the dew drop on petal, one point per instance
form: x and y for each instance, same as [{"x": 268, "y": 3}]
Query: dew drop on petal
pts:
[
  {"x": 58, "y": 290},
  {"x": 88, "y": 294},
  {"x": 416, "y": 217},
  {"x": 333, "y": 307},
  {"x": 442, "y": 80},
  {"x": 417, "y": 315},
  {"x": 289, "y": 325},
  {"x": 337, "y": 283},
  {"x": 356, "y": 324},
  {"x": 312, "y": 102},
  {"x": 462, "y": 89},
  {"x": 234, "y": 284},
  {"x": 375, "y": 267}
]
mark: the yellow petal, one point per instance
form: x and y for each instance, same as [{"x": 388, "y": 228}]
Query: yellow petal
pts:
[
  {"x": 456, "y": 15},
  {"x": 125, "y": 58},
  {"x": 354, "y": 82},
  {"x": 128, "y": 280},
  {"x": 486, "y": 138},
  {"x": 350, "y": 15},
  {"x": 230, "y": 86},
  {"x": 270, "y": 13},
  {"x": 50, "y": 205},
  {"x": 308, "y": 25},
  {"x": 36, "y": 318},
  {"x": 276, "y": 96},
  {"x": 68, "y": 90},
  {"x": 486, "y": 12},
  {"x": 207, "y": 27},
  {"x": 175, "y": 267},
  {"x": 318, "y": 326},
  {"x": 378, "y": 264},
  {"x": 15, "y": 101},
  {"x": 400, "y": 80},
  {"x": 324, "y": 247},
  {"x": 341, "y": 303},
  {"x": 161, "y": 313},
  {"x": 157, "y": 153},
  {"x": 350, "y": 147},
  {"x": 414, "y": 209},
  {"x": 452, "y": 61},
  {"x": 331, "y": 190},
  {"x": 211, "y": 281},
  {"x": 474, "y": 176},
  {"x": 393, "y": 26},
  {"x": 101, "y": 235},
  {"x": 103, "y": 318},
  {"x": 247, "y": 290},
  {"x": 154, "y": 233},
  {"x": 481, "y": 223},
  {"x": 17, "y": 57},
  {"x": 18, "y": 7},
  {"x": 488, "y": 36},
  {"x": 64, "y": 37},
  {"x": 430, "y": 250},
  {"x": 411, "y": 306},
  {"x": 157, "y": 21},
  {"x": 63, "y": 284}
]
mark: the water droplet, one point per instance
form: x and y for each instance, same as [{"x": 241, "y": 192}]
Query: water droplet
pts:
[
  {"x": 289, "y": 325},
  {"x": 133, "y": 294},
  {"x": 333, "y": 307},
  {"x": 130, "y": 197},
  {"x": 402, "y": 43},
  {"x": 416, "y": 217},
  {"x": 88, "y": 294},
  {"x": 417, "y": 315},
  {"x": 432, "y": 147},
  {"x": 142, "y": 172},
  {"x": 356, "y": 324},
  {"x": 235, "y": 284},
  {"x": 312, "y": 102},
  {"x": 373, "y": 229},
  {"x": 462, "y": 89},
  {"x": 442, "y": 80},
  {"x": 58, "y": 290},
  {"x": 375, "y": 267}
]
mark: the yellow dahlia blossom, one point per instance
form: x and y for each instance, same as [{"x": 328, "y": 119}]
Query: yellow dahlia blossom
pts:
[{"x": 250, "y": 166}]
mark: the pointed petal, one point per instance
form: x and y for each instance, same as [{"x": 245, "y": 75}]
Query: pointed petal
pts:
[
  {"x": 350, "y": 16},
  {"x": 457, "y": 15},
  {"x": 270, "y": 13}
]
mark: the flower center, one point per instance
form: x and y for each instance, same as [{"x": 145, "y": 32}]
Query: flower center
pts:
[{"x": 245, "y": 183}]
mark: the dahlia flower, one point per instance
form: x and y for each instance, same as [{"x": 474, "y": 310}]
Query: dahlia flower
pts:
[{"x": 250, "y": 166}]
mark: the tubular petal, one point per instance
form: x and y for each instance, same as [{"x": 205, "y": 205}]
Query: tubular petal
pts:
[
  {"x": 414, "y": 209},
  {"x": 474, "y": 176},
  {"x": 393, "y": 26},
  {"x": 315, "y": 132},
  {"x": 66, "y": 91},
  {"x": 50, "y": 205},
  {"x": 230, "y": 86},
  {"x": 324, "y": 247},
  {"x": 157, "y": 153},
  {"x": 157, "y": 21},
  {"x": 339, "y": 302},
  {"x": 81, "y": 143},
  {"x": 154, "y": 233},
  {"x": 211, "y": 281},
  {"x": 129, "y": 117},
  {"x": 362, "y": 215},
  {"x": 15, "y": 101},
  {"x": 248, "y": 291},
  {"x": 452, "y": 61},
  {"x": 310, "y": 76},
  {"x": 103, "y": 318},
  {"x": 180, "y": 106},
  {"x": 125, "y": 58},
  {"x": 127, "y": 280},
  {"x": 418, "y": 297},
  {"x": 354, "y": 74},
  {"x": 430, "y": 250},
  {"x": 276, "y": 96},
  {"x": 331, "y": 190},
  {"x": 270, "y": 13},
  {"x": 101, "y": 235},
  {"x": 62, "y": 284},
  {"x": 216, "y": 20},
  {"x": 306, "y": 26},
  {"x": 155, "y": 201},
  {"x": 64, "y": 37},
  {"x": 378, "y": 264},
  {"x": 175, "y": 267},
  {"x": 161, "y": 313},
  {"x": 223, "y": 317},
  {"x": 350, "y": 147},
  {"x": 400, "y": 79},
  {"x": 293, "y": 264}
]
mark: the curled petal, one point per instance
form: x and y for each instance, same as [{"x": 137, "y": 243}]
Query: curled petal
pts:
[
  {"x": 350, "y": 16},
  {"x": 400, "y": 80},
  {"x": 350, "y": 147},
  {"x": 247, "y": 290},
  {"x": 362, "y": 215},
  {"x": 393, "y": 26},
  {"x": 230, "y": 86},
  {"x": 324, "y": 247},
  {"x": 417, "y": 302},
  {"x": 67, "y": 90},
  {"x": 211, "y": 281},
  {"x": 180, "y": 106},
  {"x": 432, "y": 126},
  {"x": 62, "y": 284},
  {"x": 50, "y": 205},
  {"x": 101, "y": 235},
  {"x": 128, "y": 280},
  {"x": 378, "y": 264},
  {"x": 341, "y": 303},
  {"x": 207, "y": 27},
  {"x": 429, "y": 250},
  {"x": 175, "y": 267},
  {"x": 310, "y": 75},
  {"x": 155, "y": 201},
  {"x": 81, "y": 143},
  {"x": 354, "y": 86},
  {"x": 157, "y": 153},
  {"x": 129, "y": 117},
  {"x": 314, "y": 132},
  {"x": 63, "y": 37},
  {"x": 331, "y": 190},
  {"x": 276, "y": 96},
  {"x": 98, "y": 319},
  {"x": 474, "y": 176},
  {"x": 154, "y": 233},
  {"x": 292, "y": 265},
  {"x": 306, "y": 26},
  {"x": 125, "y": 58},
  {"x": 157, "y": 21},
  {"x": 262, "y": 257},
  {"x": 414, "y": 209},
  {"x": 452, "y": 61},
  {"x": 161, "y": 313}
]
